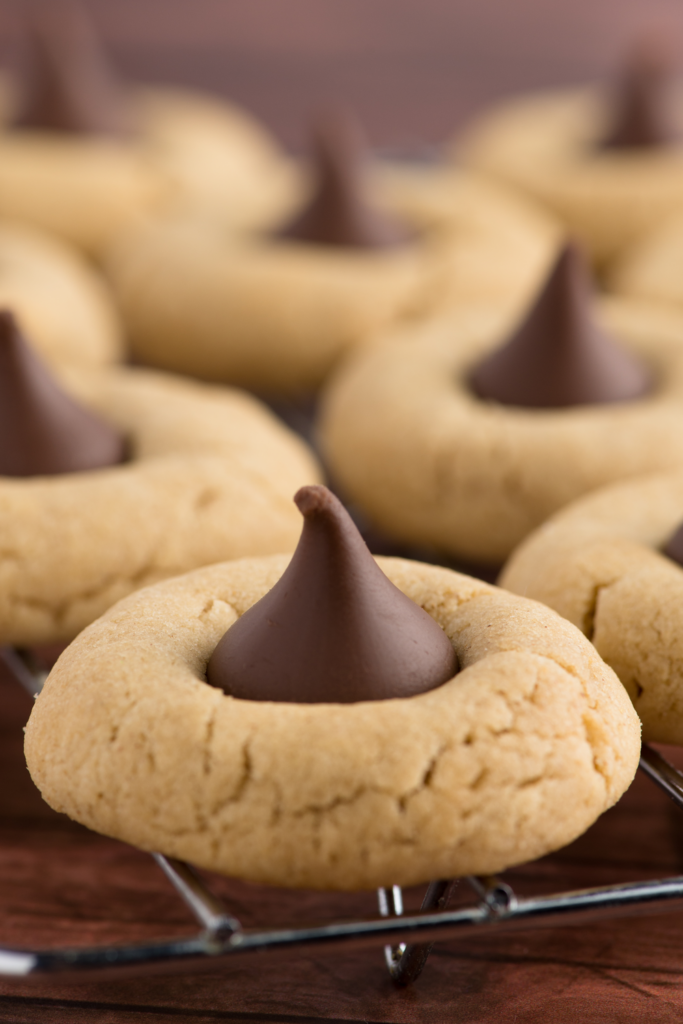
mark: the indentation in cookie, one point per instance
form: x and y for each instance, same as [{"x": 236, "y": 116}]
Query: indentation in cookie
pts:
[
  {"x": 558, "y": 356},
  {"x": 339, "y": 214},
  {"x": 42, "y": 430},
  {"x": 641, "y": 116},
  {"x": 70, "y": 86},
  {"x": 333, "y": 628}
]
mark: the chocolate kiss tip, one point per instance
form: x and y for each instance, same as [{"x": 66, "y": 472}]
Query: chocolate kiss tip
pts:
[
  {"x": 42, "y": 430},
  {"x": 70, "y": 85},
  {"x": 313, "y": 498},
  {"x": 333, "y": 629},
  {"x": 673, "y": 548},
  {"x": 338, "y": 213},
  {"x": 641, "y": 115},
  {"x": 558, "y": 356}
]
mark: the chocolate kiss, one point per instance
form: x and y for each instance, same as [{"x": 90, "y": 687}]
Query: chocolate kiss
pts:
[
  {"x": 338, "y": 213},
  {"x": 42, "y": 430},
  {"x": 558, "y": 356},
  {"x": 674, "y": 546},
  {"x": 641, "y": 118},
  {"x": 333, "y": 628},
  {"x": 70, "y": 87}
]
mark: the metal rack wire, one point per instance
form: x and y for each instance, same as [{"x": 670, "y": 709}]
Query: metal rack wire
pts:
[{"x": 407, "y": 938}]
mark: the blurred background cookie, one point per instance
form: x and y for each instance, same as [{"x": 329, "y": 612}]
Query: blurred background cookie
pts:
[
  {"x": 85, "y": 155},
  {"x": 368, "y": 247},
  {"x": 63, "y": 303},
  {"x": 467, "y": 432},
  {"x": 608, "y": 161}
]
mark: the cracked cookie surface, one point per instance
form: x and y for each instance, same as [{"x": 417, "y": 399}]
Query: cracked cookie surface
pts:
[
  {"x": 513, "y": 757},
  {"x": 599, "y": 564},
  {"x": 211, "y": 476},
  {"x": 430, "y": 463}
]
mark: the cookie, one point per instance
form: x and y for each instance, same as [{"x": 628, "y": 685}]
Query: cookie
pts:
[
  {"x": 600, "y": 563},
  {"x": 221, "y": 163},
  {"x": 63, "y": 304},
  {"x": 180, "y": 279},
  {"x": 555, "y": 147},
  {"x": 430, "y": 462},
  {"x": 210, "y": 475},
  {"x": 85, "y": 157},
  {"x": 649, "y": 269},
  {"x": 497, "y": 245},
  {"x": 513, "y": 757},
  {"x": 84, "y": 191}
]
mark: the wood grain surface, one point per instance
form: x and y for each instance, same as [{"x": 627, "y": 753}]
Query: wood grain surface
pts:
[{"x": 415, "y": 71}]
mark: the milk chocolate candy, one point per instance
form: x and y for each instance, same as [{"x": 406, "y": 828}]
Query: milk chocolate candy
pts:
[
  {"x": 42, "y": 430},
  {"x": 338, "y": 213},
  {"x": 558, "y": 356},
  {"x": 70, "y": 86},
  {"x": 642, "y": 117},
  {"x": 673, "y": 548},
  {"x": 333, "y": 628}
]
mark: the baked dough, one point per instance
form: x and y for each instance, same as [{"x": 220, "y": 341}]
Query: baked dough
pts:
[
  {"x": 497, "y": 243},
  {"x": 651, "y": 268},
  {"x": 545, "y": 144},
  {"x": 430, "y": 463},
  {"x": 277, "y": 316},
  {"x": 87, "y": 189},
  {"x": 63, "y": 305},
  {"x": 211, "y": 476},
  {"x": 221, "y": 161},
  {"x": 598, "y": 564},
  {"x": 514, "y": 757}
]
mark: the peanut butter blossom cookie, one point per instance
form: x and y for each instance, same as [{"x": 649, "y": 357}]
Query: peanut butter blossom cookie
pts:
[
  {"x": 612, "y": 564},
  {"x": 63, "y": 303},
  {"x": 332, "y": 721},
  {"x": 275, "y": 311},
  {"x": 84, "y": 156},
  {"x": 115, "y": 479},
  {"x": 466, "y": 432},
  {"x": 607, "y": 162}
]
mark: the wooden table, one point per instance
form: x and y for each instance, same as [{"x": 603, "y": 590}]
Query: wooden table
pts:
[{"x": 414, "y": 70}]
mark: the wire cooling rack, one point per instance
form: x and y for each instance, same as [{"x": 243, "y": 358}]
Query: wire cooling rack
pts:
[{"x": 407, "y": 938}]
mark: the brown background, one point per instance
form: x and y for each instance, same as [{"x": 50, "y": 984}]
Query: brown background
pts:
[
  {"x": 415, "y": 71},
  {"x": 413, "y": 68}
]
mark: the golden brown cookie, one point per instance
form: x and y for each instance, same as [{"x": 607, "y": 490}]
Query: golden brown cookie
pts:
[
  {"x": 84, "y": 190},
  {"x": 599, "y": 563},
  {"x": 651, "y": 268},
  {"x": 430, "y": 463},
  {"x": 221, "y": 162},
  {"x": 211, "y": 475},
  {"x": 278, "y": 316},
  {"x": 548, "y": 145},
  {"x": 185, "y": 151},
  {"x": 64, "y": 305},
  {"x": 85, "y": 154},
  {"x": 514, "y": 757}
]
